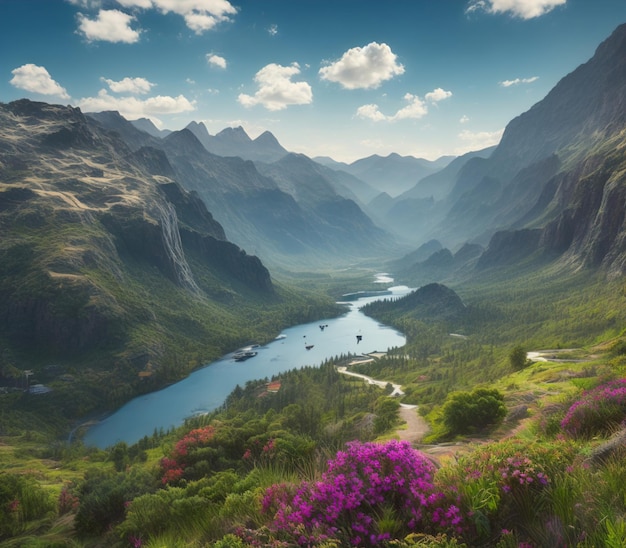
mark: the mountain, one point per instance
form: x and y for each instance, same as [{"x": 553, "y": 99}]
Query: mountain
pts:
[
  {"x": 439, "y": 184},
  {"x": 290, "y": 212},
  {"x": 146, "y": 125},
  {"x": 105, "y": 265},
  {"x": 236, "y": 142},
  {"x": 554, "y": 188},
  {"x": 394, "y": 174},
  {"x": 134, "y": 137}
]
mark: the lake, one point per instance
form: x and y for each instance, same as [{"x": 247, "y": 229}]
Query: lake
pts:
[{"x": 206, "y": 388}]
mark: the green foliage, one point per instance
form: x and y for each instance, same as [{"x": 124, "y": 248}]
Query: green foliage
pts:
[
  {"x": 517, "y": 358},
  {"x": 386, "y": 410},
  {"x": 466, "y": 412},
  {"x": 103, "y": 497},
  {"x": 22, "y": 500}
]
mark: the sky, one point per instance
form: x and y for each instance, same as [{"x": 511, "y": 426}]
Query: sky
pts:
[{"x": 338, "y": 78}]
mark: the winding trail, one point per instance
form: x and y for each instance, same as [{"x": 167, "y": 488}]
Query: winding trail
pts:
[{"x": 416, "y": 426}]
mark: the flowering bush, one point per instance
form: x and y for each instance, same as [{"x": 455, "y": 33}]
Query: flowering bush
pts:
[
  {"x": 368, "y": 491},
  {"x": 597, "y": 411},
  {"x": 182, "y": 455},
  {"x": 499, "y": 482}
]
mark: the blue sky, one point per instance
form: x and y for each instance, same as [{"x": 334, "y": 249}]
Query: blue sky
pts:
[{"x": 339, "y": 78}]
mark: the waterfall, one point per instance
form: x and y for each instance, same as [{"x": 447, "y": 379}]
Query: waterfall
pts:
[{"x": 166, "y": 213}]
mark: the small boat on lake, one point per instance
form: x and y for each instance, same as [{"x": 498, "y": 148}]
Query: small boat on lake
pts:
[{"x": 243, "y": 355}]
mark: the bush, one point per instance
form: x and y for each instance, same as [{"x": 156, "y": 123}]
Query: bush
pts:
[
  {"x": 598, "y": 411},
  {"x": 21, "y": 500},
  {"x": 517, "y": 358},
  {"x": 466, "y": 412},
  {"x": 369, "y": 492},
  {"x": 502, "y": 485}
]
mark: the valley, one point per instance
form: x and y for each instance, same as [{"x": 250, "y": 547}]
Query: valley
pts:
[{"x": 135, "y": 262}]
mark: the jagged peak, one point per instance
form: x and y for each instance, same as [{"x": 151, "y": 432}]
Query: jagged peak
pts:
[{"x": 235, "y": 134}]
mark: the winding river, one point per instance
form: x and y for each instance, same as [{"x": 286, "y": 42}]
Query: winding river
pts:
[{"x": 207, "y": 388}]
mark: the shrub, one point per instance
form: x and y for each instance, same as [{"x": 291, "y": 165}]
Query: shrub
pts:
[
  {"x": 502, "y": 485},
  {"x": 21, "y": 500},
  {"x": 368, "y": 491},
  {"x": 518, "y": 359},
  {"x": 186, "y": 453},
  {"x": 466, "y": 412},
  {"x": 598, "y": 411}
]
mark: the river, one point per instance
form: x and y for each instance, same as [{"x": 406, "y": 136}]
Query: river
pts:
[{"x": 206, "y": 388}]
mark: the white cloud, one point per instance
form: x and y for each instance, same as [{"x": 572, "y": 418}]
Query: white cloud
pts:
[
  {"x": 272, "y": 30},
  {"x": 415, "y": 109},
  {"x": 135, "y": 86},
  {"x": 199, "y": 15},
  {"x": 216, "y": 60},
  {"x": 464, "y": 119},
  {"x": 110, "y": 26},
  {"x": 276, "y": 90},
  {"x": 363, "y": 68},
  {"x": 132, "y": 107},
  {"x": 437, "y": 95},
  {"x": 38, "y": 80},
  {"x": 525, "y": 9},
  {"x": 517, "y": 81},
  {"x": 478, "y": 140},
  {"x": 371, "y": 112}
]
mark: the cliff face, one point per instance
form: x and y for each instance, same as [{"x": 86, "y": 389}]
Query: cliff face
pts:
[
  {"x": 559, "y": 170},
  {"x": 86, "y": 223}
]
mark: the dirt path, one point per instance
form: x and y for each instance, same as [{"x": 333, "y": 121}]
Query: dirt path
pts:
[{"x": 416, "y": 426}]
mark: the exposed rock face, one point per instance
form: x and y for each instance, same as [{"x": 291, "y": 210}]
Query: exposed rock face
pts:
[
  {"x": 509, "y": 247},
  {"x": 558, "y": 176},
  {"x": 80, "y": 215}
]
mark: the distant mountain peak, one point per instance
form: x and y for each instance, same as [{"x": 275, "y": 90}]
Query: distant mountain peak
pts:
[
  {"x": 267, "y": 137},
  {"x": 234, "y": 134}
]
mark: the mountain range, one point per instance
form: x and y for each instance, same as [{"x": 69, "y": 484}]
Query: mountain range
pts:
[
  {"x": 97, "y": 211},
  {"x": 554, "y": 188}
]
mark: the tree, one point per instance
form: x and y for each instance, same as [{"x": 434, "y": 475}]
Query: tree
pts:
[{"x": 517, "y": 358}]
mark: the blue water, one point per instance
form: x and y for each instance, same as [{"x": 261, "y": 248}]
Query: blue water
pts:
[{"x": 207, "y": 388}]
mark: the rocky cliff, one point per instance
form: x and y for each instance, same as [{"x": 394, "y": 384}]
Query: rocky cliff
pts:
[{"x": 90, "y": 228}]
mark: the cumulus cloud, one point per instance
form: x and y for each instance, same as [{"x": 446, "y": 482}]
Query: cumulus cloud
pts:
[
  {"x": 216, "y": 60},
  {"x": 517, "y": 81},
  {"x": 272, "y": 30},
  {"x": 464, "y": 119},
  {"x": 437, "y": 95},
  {"x": 277, "y": 90},
  {"x": 363, "y": 68},
  {"x": 135, "y": 86},
  {"x": 38, "y": 80},
  {"x": 525, "y": 9},
  {"x": 132, "y": 107},
  {"x": 199, "y": 15},
  {"x": 479, "y": 140},
  {"x": 109, "y": 26},
  {"x": 415, "y": 109},
  {"x": 371, "y": 112}
]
